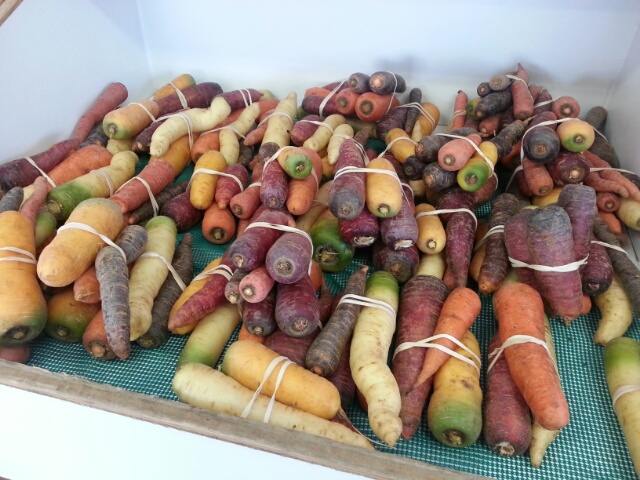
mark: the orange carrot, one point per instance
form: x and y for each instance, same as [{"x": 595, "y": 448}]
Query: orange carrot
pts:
[
  {"x": 113, "y": 95},
  {"x": 245, "y": 203},
  {"x": 86, "y": 288},
  {"x": 218, "y": 224},
  {"x": 371, "y": 107},
  {"x": 459, "y": 111},
  {"x": 316, "y": 275},
  {"x": 586, "y": 304},
  {"x": 522, "y": 99},
  {"x": 244, "y": 334},
  {"x": 79, "y": 163},
  {"x": 512, "y": 159},
  {"x": 346, "y": 101},
  {"x": 205, "y": 142},
  {"x": 254, "y": 137},
  {"x": 599, "y": 184},
  {"x": 134, "y": 193},
  {"x": 320, "y": 91},
  {"x": 612, "y": 222},
  {"x": 520, "y": 311},
  {"x": 302, "y": 192},
  {"x": 607, "y": 201},
  {"x": 537, "y": 177},
  {"x": 95, "y": 341},
  {"x": 458, "y": 313},
  {"x": 596, "y": 162},
  {"x": 454, "y": 155}
]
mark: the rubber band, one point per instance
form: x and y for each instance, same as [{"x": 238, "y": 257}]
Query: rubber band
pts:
[
  {"x": 395, "y": 87},
  {"x": 351, "y": 169},
  {"x": 172, "y": 270},
  {"x": 284, "y": 228},
  {"x": 459, "y": 113},
  {"x": 282, "y": 114},
  {"x": 394, "y": 141},
  {"x": 153, "y": 119},
  {"x": 320, "y": 124},
  {"x": 541, "y": 124},
  {"x": 274, "y": 157},
  {"x": 255, "y": 184},
  {"x": 42, "y": 172},
  {"x": 107, "y": 178},
  {"x": 246, "y": 104},
  {"x": 89, "y": 229},
  {"x": 475, "y": 147},
  {"x": 152, "y": 199},
  {"x": 226, "y": 127},
  {"x": 569, "y": 267},
  {"x": 449, "y": 210},
  {"x": 181, "y": 97},
  {"x": 514, "y": 77},
  {"x": 270, "y": 368},
  {"x": 428, "y": 343},
  {"x": 338, "y": 135},
  {"x": 491, "y": 231},
  {"x": 622, "y": 170},
  {"x": 601, "y": 134},
  {"x": 513, "y": 176},
  {"x": 622, "y": 391},
  {"x": 325, "y": 100},
  {"x": 367, "y": 302},
  {"x": 424, "y": 112},
  {"x": 31, "y": 258},
  {"x": 612, "y": 247},
  {"x": 208, "y": 171},
  {"x": 543, "y": 103},
  {"x": 517, "y": 340},
  {"x": 224, "y": 270}
]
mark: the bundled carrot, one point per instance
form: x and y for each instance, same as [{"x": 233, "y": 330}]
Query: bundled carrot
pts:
[
  {"x": 205, "y": 179},
  {"x": 371, "y": 107},
  {"x": 522, "y": 98},
  {"x": 113, "y": 95},
  {"x": 146, "y": 210},
  {"x": 520, "y": 311},
  {"x": 181, "y": 211},
  {"x": 347, "y": 197},
  {"x": 157, "y": 175},
  {"x": 454, "y": 154},
  {"x": 459, "y": 111}
]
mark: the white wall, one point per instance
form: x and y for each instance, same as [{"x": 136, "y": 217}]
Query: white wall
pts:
[{"x": 55, "y": 59}]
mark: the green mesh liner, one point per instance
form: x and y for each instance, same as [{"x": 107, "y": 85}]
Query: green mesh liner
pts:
[{"x": 591, "y": 447}]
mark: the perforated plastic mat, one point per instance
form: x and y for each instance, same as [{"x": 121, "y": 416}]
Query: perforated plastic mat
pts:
[{"x": 591, "y": 447}]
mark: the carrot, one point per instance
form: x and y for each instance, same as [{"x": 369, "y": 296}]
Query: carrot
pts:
[
  {"x": 255, "y": 285},
  {"x": 198, "y": 385},
  {"x": 168, "y": 294},
  {"x": 458, "y": 313},
  {"x": 313, "y": 104},
  {"x": 180, "y": 82},
  {"x": 244, "y": 334},
  {"x": 568, "y": 167},
  {"x": 359, "y": 82},
  {"x": 520, "y": 311},
  {"x": 347, "y": 198},
  {"x": 113, "y": 95},
  {"x": 274, "y": 188},
  {"x": 607, "y": 201},
  {"x": 31, "y": 205},
  {"x": 129, "y": 120},
  {"x": 181, "y": 211},
  {"x": 12, "y": 200},
  {"x": 95, "y": 137},
  {"x": 232, "y": 287},
  {"x": 80, "y": 162},
  {"x": 218, "y": 225},
  {"x": 371, "y": 107},
  {"x": 320, "y": 91},
  {"x": 301, "y": 192},
  {"x": 259, "y": 317},
  {"x": 157, "y": 175},
  {"x": 328, "y": 347},
  {"x": 361, "y": 231},
  {"x": 204, "y": 179},
  {"x": 382, "y": 191},
  {"x": 597, "y": 274},
  {"x": 401, "y": 230},
  {"x": 199, "y": 95},
  {"x": 565, "y": 107},
  {"x": 454, "y": 154},
  {"x": 541, "y": 144},
  {"x": 72, "y": 251},
  {"x": 475, "y": 173},
  {"x": 17, "y": 353},
  {"x": 67, "y": 318},
  {"x": 420, "y": 304},
  {"x": 86, "y": 287},
  {"x": 537, "y": 177},
  {"x": 280, "y": 123},
  {"x": 395, "y": 118},
  {"x": 384, "y": 82},
  {"x": 616, "y": 312},
  {"x": 289, "y": 258},
  {"x": 508, "y": 142},
  {"x": 600, "y": 184},
  {"x": 94, "y": 339},
  {"x": 402, "y": 264},
  {"x": 330, "y": 250},
  {"x": 346, "y": 101},
  {"x": 495, "y": 264},
  {"x": 177, "y": 155},
  {"x": 193, "y": 119},
  {"x": 522, "y": 98},
  {"x": 340, "y": 134},
  {"x": 459, "y": 111},
  {"x": 612, "y": 222},
  {"x": 492, "y": 103},
  {"x": 297, "y": 309},
  {"x": 427, "y": 121},
  {"x": 146, "y": 210},
  {"x": 551, "y": 244},
  {"x": 304, "y": 128},
  {"x": 579, "y": 201},
  {"x": 597, "y": 162},
  {"x": 321, "y": 136}
]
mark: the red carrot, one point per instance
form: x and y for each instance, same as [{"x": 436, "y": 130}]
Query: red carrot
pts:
[
  {"x": 420, "y": 304},
  {"x": 568, "y": 167},
  {"x": 274, "y": 188},
  {"x": 232, "y": 287},
  {"x": 256, "y": 284},
  {"x": 597, "y": 162},
  {"x": 304, "y": 128},
  {"x": 289, "y": 257},
  {"x": 454, "y": 154},
  {"x": 537, "y": 177},
  {"x": 371, "y": 107},
  {"x": 401, "y": 230},
  {"x": 402, "y": 264},
  {"x": 157, "y": 175},
  {"x": 361, "y": 231},
  {"x": 145, "y": 211},
  {"x": 297, "y": 309},
  {"x": 113, "y": 95},
  {"x": 522, "y": 99},
  {"x": 30, "y": 206},
  {"x": 347, "y": 196},
  {"x": 607, "y": 201},
  {"x": 227, "y": 187},
  {"x": 598, "y": 272},
  {"x": 180, "y": 209},
  {"x": 565, "y": 107},
  {"x": 241, "y": 98},
  {"x": 311, "y": 104},
  {"x": 259, "y": 317}
]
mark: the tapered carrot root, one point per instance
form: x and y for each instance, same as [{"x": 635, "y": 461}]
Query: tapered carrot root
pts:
[
  {"x": 158, "y": 175},
  {"x": 95, "y": 340}
]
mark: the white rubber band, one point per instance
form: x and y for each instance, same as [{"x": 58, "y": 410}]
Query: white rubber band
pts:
[
  {"x": 107, "y": 179},
  {"x": 475, "y": 147},
  {"x": 516, "y": 340},
  {"x": 270, "y": 368},
  {"x": 394, "y": 141},
  {"x": 450, "y": 210},
  {"x": 569, "y": 267},
  {"x": 612, "y": 247},
  {"x": 284, "y": 228},
  {"x": 244, "y": 99},
  {"x": 367, "y": 302},
  {"x": 326, "y": 99},
  {"x": 42, "y": 172},
  {"x": 491, "y": 231},
  {"x": 599, "y": 169},
  {"x": 622, "y": 391},
  {"x": 226, "y": 127},
  {"x": 600, "y": 133},
  {"x": 153, "y": 119},
  {"x": 513, "y": 175},
  {"x": 541, "y": 104},
  {"x": 422, "y": 110},
  {"x": 223, "y": 270},
  {"x": 428, "y": 343},
  {"x": 282, "y": 114},
  {"x": 395, "y": 87},
  {"x": 87, "y": 228},
  {"x": 459, "y": 113},
  {"x": 516, "y": 78},
  {"x": 208, "y": 171},
  {"x": 175, "y": 274},
  {"x": 541, "y": 124},
  {"x": 181, "y": 97},
  {"x": 30, "y": 257}
]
